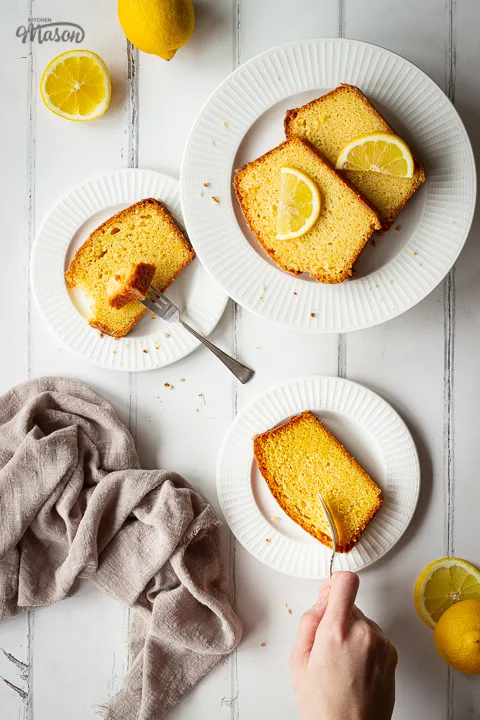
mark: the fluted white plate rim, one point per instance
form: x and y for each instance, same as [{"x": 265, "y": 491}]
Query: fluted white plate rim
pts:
[
  {"x": 218, "y": 240},
  {"x": 163, "y": 343},
  {"x": 320, "y": 394}
]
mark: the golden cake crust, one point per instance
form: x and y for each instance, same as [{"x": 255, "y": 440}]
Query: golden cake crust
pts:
[
  {"x": 288, "y": 507},
  {"x": 307, "y": 147},
  {"x": 419, "y": 172}
]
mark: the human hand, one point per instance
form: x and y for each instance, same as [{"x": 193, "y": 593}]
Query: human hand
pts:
[{"x": 343, "y": 665}]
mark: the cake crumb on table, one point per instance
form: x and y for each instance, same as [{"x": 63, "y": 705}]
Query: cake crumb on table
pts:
[
  {"x": 224, "y": 124},
  {"x": 197, "y": 410},
  {"x": 313, "y": 315},
  {"x": 145, "y": 351},
  {"x": 167, "y": 335},
  {"x": 398, "y": 228},
  {"x": 275, "y": 518},
  {"x": 215, "y": 200},
  {"x": 205, "y": 184},
  {"x": 295, "y": 293},
  {"x": 267, "y": 540},
  {"x": 157, "y": 346},
  {"x": 101, "y": 335},
  {"x": 262, "y": 644},
  {"x": 168, "y": 386},
  {"x": 154, "y": 317},
  {"x": 182, "y": 379}
]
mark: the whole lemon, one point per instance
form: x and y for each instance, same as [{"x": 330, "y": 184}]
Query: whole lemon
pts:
[
  {"x": 159, "y": 27},
  {"x": 457, "y": 636}
]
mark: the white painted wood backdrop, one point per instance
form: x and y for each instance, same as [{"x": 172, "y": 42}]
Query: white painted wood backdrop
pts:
[{"x": 425, "y": 362}]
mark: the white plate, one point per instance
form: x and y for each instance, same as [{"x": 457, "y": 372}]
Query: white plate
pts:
[
  {"x": 370, "y": 430},
  {"x": 67, "y": 226},
  {"x": 244, "y": 118}
]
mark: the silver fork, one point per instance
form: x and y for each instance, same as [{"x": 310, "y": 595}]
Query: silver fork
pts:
[
  {"x": 333, "y": 531},
  {"x": 159, "y": 304}
]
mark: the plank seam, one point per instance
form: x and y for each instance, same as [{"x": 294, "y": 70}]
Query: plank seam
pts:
[
  {"x": 233, "y": 690},
  {"x": 31, "y": 98},
  {"x": 30, "y": 199},
  {"x": 449, "y": 310},
  {"x": 342, "y": 340},
  {"x": 342, "y": 356},
  {"x": 341, "y": 18},
  {"x": 132, "y": 162}
]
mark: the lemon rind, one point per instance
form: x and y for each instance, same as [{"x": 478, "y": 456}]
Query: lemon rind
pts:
[
  {"x": 361, "y": 139},
  {"x": 100, "y": 109},
  {"x": 426, "y": 575},
  {"x": 317, "y": 205}
]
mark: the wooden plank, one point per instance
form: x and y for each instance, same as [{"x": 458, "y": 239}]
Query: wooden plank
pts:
[
  {"x": 169, "y": 431},
  {"x": 404, "y": 361},
  {"x": 79, "y": 642},
  {"x": 277, "y": 354},
  {"x": 465, "y": 58},
  {"x": 15, "y": 143},
  {"x": 17, "y": 160}
]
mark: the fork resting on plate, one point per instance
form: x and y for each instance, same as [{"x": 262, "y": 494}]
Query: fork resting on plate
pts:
[{"x": 159, "y": 304}]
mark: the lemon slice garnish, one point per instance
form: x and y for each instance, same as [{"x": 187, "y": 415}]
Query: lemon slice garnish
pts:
[
  {"x": 76, "y": 85},
  {"x": 299, "y": 204},
  {"x": 378, "y": 152},
  {"x": 442, "y": 584}
]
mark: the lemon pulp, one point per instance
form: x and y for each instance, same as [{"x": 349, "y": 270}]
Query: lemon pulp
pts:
[
  {"x": 76, "y": 85},
  {"x": 377, "y": 152},
  {"x": 299, "y": 204},
  {"x": 442, "y": 584}
]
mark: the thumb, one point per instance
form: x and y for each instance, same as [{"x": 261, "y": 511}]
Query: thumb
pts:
[{"x": 309, "y": 623}]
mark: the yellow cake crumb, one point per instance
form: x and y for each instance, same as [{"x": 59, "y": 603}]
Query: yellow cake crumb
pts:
[
  {"x": 345, "y": 114},
  {"x": 301, "y": 458},
  {"x": 144, "y": 233},
  {"x": 329, "y": 249}
]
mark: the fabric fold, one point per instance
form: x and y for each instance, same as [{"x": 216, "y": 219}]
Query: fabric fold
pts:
[{"x": 74, "y": 503}]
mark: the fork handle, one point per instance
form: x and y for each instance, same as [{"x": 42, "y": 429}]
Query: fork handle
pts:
[{"x": 242, "y": 372}]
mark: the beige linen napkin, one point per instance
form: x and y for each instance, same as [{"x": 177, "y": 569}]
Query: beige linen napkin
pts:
[{"x": 74, "y": 503}]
